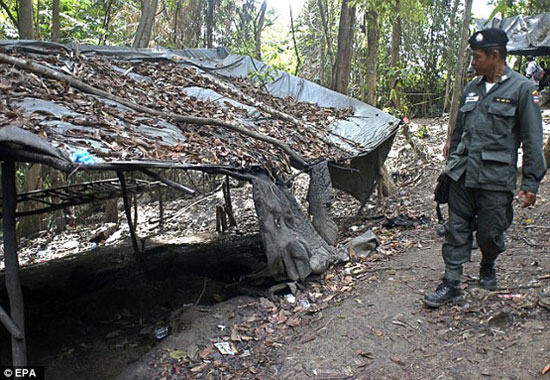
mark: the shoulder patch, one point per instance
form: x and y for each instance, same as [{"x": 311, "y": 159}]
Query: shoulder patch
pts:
[{"x": 536, "y": 98}]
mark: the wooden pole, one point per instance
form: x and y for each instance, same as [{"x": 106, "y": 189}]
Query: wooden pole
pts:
[
  {"x": 161, "y": 208},
  {"x": 13, "y": 283},
  {"x": 128, "y": 210},
  {"x": 228, "y": 204}
]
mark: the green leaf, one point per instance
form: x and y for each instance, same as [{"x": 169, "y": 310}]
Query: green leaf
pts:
[{"x": 177, "y": 355}]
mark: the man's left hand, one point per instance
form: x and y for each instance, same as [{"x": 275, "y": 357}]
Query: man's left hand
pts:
[{"x": 530, "y": 198}]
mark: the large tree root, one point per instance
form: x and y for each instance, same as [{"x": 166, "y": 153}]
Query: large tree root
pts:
[
  {"x": 293, "y": 247},
  {"x": 319, "y": 197}
]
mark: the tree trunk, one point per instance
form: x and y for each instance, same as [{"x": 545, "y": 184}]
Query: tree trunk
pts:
[
  {"x": 394, "y": 59},
  {"x": 320, "y": 199},
  {"x": 30, "y": 225},
  {"x": 396, "y": 35},
  {"x": 37, "y": 35},
  {"x": 373, "y": 42},
  {"x": 259, "y": 28},
  {"x": 111, "y": 211},
  {"x": 106, "y": 22},
  {"x": 342, "y": 66},
  {"x": 55, "y": 21},
  {"x": 145, "y": 27},
  {"x": 210, "y": 24},
  {"x": 449, "y": 52},
  {"x": 175, "y": 23},
  {"x": 322, "y": 61},
  {"x": 460, "y": 65},
  {"x": 323, "y": 11},
  {"x": 25, "y": 22},
  {"x": 298, "y": 59}
]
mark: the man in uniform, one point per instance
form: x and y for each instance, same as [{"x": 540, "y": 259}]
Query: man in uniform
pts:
[{"x": 499, "y": 111}]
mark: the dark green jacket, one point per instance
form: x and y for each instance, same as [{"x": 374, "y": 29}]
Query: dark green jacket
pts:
[{"x": 489, "y": 129}]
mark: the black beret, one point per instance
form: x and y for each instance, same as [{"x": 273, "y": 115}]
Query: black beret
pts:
[{"x": 491, "y": 37}]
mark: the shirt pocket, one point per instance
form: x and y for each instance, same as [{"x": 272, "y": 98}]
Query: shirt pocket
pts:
[
  {"x": 496, "y": 167},
  {"x": 465, "y": 114},
  {"x": 502, "y": 117}
]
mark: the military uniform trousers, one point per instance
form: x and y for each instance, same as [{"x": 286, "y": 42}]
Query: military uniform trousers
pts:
[{"x": 488, "y": 210}]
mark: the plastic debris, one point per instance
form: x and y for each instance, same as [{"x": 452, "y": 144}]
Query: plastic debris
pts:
[
  {"x": 161, "y": 332},
  {"x": 511, "y": 296},
  {"x": 225, "y": 348},
  {"x": 290, "y": 298},
  {"x": 83, "y": 157},
  {"x": 304, "y": 303}
]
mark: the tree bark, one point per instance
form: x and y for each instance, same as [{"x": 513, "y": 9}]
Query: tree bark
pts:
[
  {"x": 111, "y": 211},
  {"x": 25, "y": 23},
  {"x": 460, "y": 65},
  {"x": 373, "y": 42},
  {"x": 298, "y": 59},
  {"x": 55, "y": 21},
  {"x": 320, "y": 198},
  {"x": 324, "y": 21},
  {"x": 342, "y": 66},
  {"x": 106, "y": 23},
  {"x": 451, "y": 36},
  {"x": 326, "y": 34},
  {"x": 145, "y": 27},
  {"x": 37, "y": 35},
  {"x": 210, "y": 24},
  {"x": 259, "y": 28},
  {"x": 396, "y": 35},
  {"x": 30, "y": 225},
  {"x": 394, "y": 59}
]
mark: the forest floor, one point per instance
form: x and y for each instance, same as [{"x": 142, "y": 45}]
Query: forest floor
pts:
[{"x": 360, "y": 320}]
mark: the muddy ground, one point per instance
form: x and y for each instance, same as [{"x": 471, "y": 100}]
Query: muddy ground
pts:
[{"x": 100, "y": 315}]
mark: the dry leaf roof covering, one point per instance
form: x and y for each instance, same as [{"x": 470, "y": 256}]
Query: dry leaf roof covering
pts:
[{"x": 72, "y": 120}]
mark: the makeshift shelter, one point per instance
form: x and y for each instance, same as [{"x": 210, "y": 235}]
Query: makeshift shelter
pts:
[
  {"x": 528, "y": 35},
  {"x": 76, "y": 107}
]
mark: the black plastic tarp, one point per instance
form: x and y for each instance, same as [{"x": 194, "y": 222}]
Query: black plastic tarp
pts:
[{"x": 528, "y": 35}]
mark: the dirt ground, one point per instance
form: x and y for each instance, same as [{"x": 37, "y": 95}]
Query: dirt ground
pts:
[{"x": 360, "y": 320}]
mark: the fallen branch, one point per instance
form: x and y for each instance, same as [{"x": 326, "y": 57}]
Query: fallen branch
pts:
[
  {"x": 528, "y": 242},
  {"x": 368, "y": 270},
  {"x": 78, "y": 84}
]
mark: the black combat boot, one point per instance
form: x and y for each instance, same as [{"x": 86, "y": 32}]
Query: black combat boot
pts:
[
  {"x": 447, "y": 291},
  {"x": 488, "y": 275}
]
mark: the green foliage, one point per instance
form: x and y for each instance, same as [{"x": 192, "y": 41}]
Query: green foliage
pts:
[
  {"x": 509, "y": 8},
  {"x": 262, "y": 77},
  {"x": 422, "y": 132}
]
